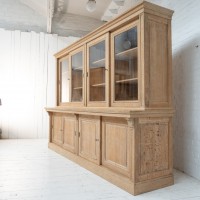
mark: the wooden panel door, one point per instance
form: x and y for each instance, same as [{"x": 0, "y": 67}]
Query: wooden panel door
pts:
[
  {"x": 69, "y": 134},
  {"x": 116, "y": 145},
  {"x": 89, "y": 138},
  {"x": 57, "y": 130}
]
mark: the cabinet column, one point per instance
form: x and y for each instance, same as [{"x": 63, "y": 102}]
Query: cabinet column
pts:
[{"x": 131, "y": 132}]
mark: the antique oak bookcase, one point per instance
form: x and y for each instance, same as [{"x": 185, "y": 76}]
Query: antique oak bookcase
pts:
[{"x": 114, "y": 100}]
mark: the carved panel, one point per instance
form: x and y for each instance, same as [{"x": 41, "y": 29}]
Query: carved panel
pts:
[{"x": 153, "y": 147}]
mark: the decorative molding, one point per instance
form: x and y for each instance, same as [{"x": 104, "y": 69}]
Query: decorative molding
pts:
[{"x": 130, "y": 122}]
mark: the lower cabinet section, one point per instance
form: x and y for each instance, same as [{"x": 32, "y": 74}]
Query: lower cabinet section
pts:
[{"x": 134, "y": 153}]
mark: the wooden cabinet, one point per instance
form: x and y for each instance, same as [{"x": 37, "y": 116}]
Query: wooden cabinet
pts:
[
  {"x": 114, "y": 100},
  {"x": 89, "y": 138}
]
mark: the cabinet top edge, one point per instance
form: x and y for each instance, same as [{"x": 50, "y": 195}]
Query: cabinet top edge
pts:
[
  {"x": 117, "y": 112},
  {"x": 134, "y": 12}
]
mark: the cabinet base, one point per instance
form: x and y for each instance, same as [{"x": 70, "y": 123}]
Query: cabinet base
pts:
[{"x": 117, "y": 179}]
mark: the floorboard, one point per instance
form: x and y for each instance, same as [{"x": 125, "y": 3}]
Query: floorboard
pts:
[{"x": 31, "y": 171}]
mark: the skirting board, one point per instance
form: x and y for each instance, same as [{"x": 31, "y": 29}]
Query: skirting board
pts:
[{"x": 114, "y": 178}]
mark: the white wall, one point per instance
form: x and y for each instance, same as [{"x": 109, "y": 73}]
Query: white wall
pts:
[
  {"x": 186, "y": 81},
  {"x": 27, "y": 81}
]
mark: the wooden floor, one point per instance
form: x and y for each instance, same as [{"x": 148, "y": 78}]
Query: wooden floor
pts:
[{"x": 30, "y": 171}]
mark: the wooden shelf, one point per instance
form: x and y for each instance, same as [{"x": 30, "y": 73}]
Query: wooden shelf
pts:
[
  {"x": 78, "y": 88},
  {"x": 99, "y": 85},
  {"x": 127, "y": 80},
  {"x": 78, "y": 68},
  {"x": 126, "y": 55},
  {"x": 65, "y": 72},
  {"x": 96, "y": 67},
  {"x": 124, "y": 74},
  {"x": 99, "y": 63}
]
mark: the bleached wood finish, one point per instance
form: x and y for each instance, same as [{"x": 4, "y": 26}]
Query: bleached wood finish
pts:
[
  {"x": 116, "y": 145},
  {"x": 70, "y": 133},
  {"x": 89, "y": 138},
  {"x": 64, "y": 131},
  {"x": 57, "y": 129},
  {"x": 125, "y": 139}
]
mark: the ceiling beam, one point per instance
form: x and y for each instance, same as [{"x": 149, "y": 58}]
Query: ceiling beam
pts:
[{"x": 50, "y": 13}]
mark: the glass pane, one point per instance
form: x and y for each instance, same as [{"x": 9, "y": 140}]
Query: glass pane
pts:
[
  {"x": 97, "y": 72},
  {"x": 65, "y": 80},
  {"x": 77, "y": 77},
  {"x": 126, "y": 66}
]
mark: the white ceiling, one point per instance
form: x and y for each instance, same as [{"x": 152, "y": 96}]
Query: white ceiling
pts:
[
  {"x": 63, "y": 17},
  {"x": 38, "y": 5},
  {"x": 79, "y": 7}
]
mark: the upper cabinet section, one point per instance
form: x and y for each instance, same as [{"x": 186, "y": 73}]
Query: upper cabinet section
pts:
[{"x": 124, "y": 63}]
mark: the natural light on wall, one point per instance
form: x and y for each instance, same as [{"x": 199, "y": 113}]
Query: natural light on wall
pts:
[{"x": 27, "y": 81}]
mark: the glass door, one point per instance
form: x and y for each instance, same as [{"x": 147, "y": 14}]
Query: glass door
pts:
[
  {"x": 77, "y": 77},
  {"x": 64, "y": 81},
  {"x": 125, "y": 66},
  {"x": 71, "y": 80},
  {"x": 97, "y": 72}
]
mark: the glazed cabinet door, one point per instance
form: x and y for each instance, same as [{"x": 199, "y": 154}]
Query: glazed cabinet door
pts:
[
  {"x": 70, "y": 132},
  {"x": 98, "y": 72},
  {"x": 57, "y": 129},
  {"x": 77, "y": 76},
  {"x": 125, "y": 71},
  {"x": 116, "y": 145},
  {"x": 63, "y": 81},
  {"x": 89, "y": 138},
  {"x": 70, "y": 89}
]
